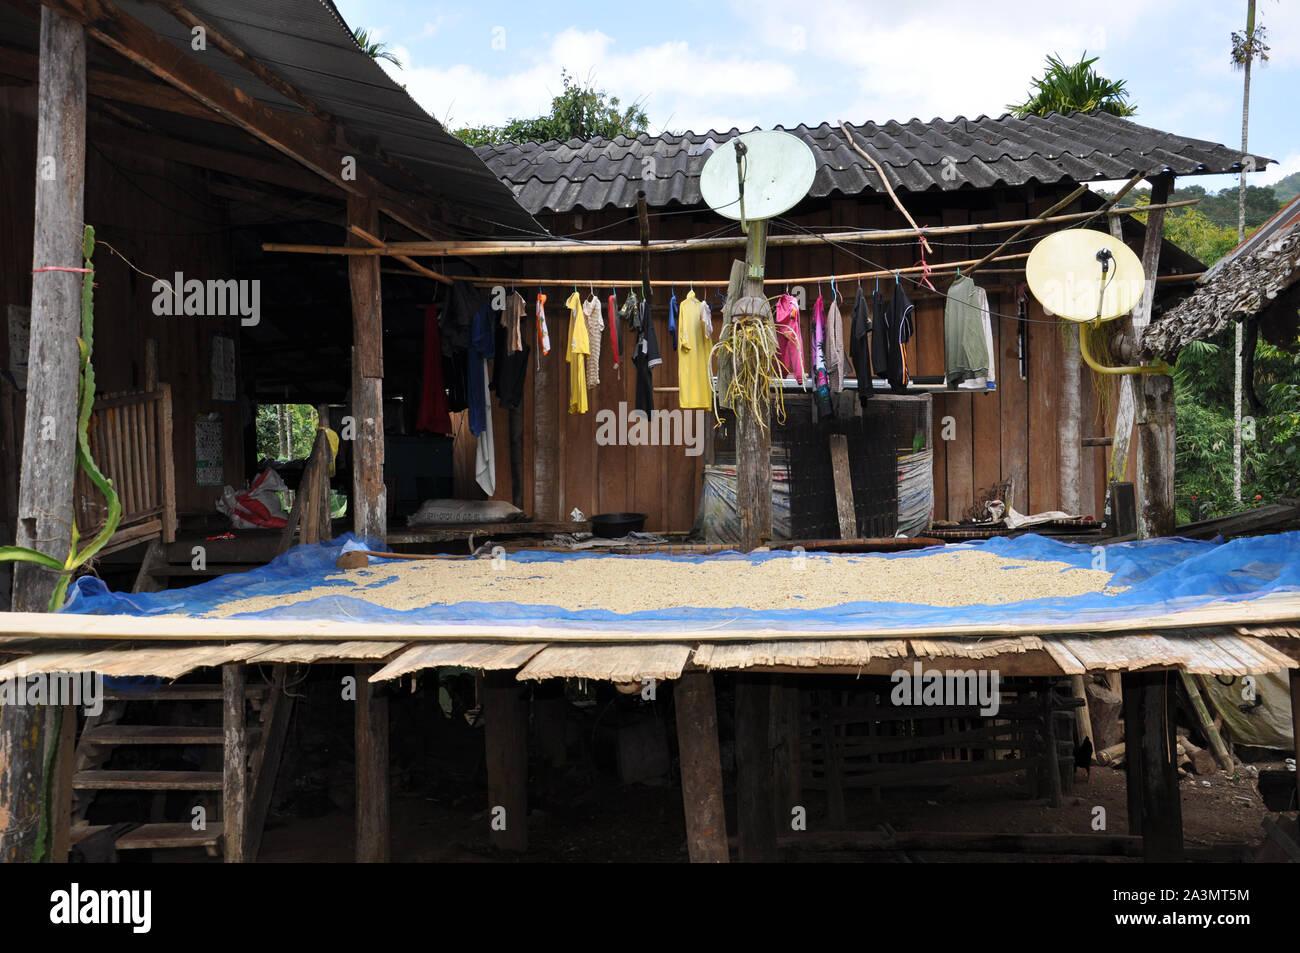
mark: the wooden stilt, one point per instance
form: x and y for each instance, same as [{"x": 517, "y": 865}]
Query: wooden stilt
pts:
[
  {"x": 505, "y": 722},
  {"x": 787, "y": 786},
  {"x": 234, "y": 784},
  {"x": 369, "y": 499},
  {"x": 1295, "y": 725},
  {"x": 754, "y": 799},
  {"x": 65, "y": 735},
  {"x": 1162, "y": 815},
  {"x": 373, "y": 842},
  {"x": 266, "y": 758},
  {"x": 1051, "y": 757},
  {"x": 45, "y": 498},
  {"x": 701, "y": 764},
  {"x": 1133, "y": 767}
]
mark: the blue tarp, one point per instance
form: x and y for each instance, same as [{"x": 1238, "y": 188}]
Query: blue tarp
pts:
[{"x": 1162, "y": 575}]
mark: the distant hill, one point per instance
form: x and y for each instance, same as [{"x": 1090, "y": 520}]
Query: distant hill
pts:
[{"x": 1287, "y": 189}]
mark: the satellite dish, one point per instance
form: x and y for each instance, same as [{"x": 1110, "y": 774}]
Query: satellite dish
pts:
[
  {"x": 778, "y": 171},
  {"x": 1085, "y": 275}
]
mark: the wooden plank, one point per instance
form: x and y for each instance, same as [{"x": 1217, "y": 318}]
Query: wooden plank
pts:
[
  {"x": 265, "y": 764},
  {"x": 167, "y": 464},
  {"x": 505, "y": 719},
  {"x": 45, "y": 505},
  {"x": 986, "y": 422},
  {"x": 942, "y": 511},
  {"x": 1162, "y": 818},
  {"x": 95, "y": 780},
  {"x": 234, "y": 787},
  {"x": 701, "y": 767},
  {"x": 754, "y": 801},
  {"x": 154, "y": 735},
  {"x": 371, "y": 738},
  {"x": 961, "y": 454},
  {"x": 1044, "y": 348},
  {"x": 844, "y": 508},
  {"x": 160, "y": 835}
]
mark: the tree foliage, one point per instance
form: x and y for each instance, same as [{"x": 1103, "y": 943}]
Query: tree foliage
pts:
[
  {"x": 581, "y": 111},
  {"x": 270, "y": 431},
  {"x": 1065, "y": 88},
  {"x": 373, "y": 48}
]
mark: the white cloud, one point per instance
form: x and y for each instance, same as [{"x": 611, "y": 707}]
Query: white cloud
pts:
[{"x": 1275, "y": 173}]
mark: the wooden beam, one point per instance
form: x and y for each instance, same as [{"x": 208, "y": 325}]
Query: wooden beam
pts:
[
  {"x": 1131, "y": 689},
  {"x": 63, "y": 733},
  {"x": 753, "y": 436},
  {"x": 701, "y": 766},
  {"x": 1162, "y": 818},
  {"x": 276, "y": 712},
  {"x": 844, "y": 503},
  {"x": 234, "y": 782},
  {"x": 754, "y": 794},
  {"x": 1154, "y": 396},
  {"x": 45, "y": 504},
  {"x": 787, "y": 793},
  {"x": 369, "y": 497},
  {"x": 505, "y": 722},
  {"x": 372, "y": 817}
]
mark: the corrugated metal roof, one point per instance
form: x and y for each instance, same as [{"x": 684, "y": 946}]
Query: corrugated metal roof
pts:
[
  {"x": 918, "y": 156},
  {"x": 307, "y": 44}
]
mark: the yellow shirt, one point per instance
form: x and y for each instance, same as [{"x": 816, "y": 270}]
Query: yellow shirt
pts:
[
  {"x": 693, "y": 345},
  {"x": 576, "y": 354}
]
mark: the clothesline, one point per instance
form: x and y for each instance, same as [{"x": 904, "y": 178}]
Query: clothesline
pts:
[{"x": 937, "y": 270}]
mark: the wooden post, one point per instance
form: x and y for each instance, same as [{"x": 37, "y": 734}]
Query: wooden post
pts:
[
  {"x": 44, "y": 517},
  {"x": 369, "y": 500},
  {"x": 1070, "y": 414},
  {"x": 266, "y": 760},
  {"x": 1221, "y": 753},
  {"x": 1295, "y": 724},
  {"x": 1133, "y": 760},
  {"x": 234, "y": 783},
  {"x": 1051, "y": 757},
  {"x": 701, "y": 764},
  {"x": 373, "y": 840},
  {"x": 753, "y": 438},
  {"x": 787, "y": 787},
  {"x": 505, "y": 723},
  {"x": 1155, "y": 413},
  {"x": 754, "y": 795},
  {"x": 1162, "y": 817},
  {"x": 64, "y": 730}
]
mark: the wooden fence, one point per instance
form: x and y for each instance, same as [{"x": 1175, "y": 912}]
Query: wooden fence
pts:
[{"x": 131, "y": 441}]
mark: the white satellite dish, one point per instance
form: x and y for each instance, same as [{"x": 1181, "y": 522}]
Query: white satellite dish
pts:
[
  {"x": 1085, "y": 275},
  {"x": 777, "y": 170}
]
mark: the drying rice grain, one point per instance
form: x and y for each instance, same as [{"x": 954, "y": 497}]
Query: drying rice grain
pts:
[{"x": 632, "y": 584}]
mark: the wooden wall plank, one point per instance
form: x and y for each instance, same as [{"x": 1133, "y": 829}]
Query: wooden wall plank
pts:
[
  {"x": 1044, "y": 347},
  {"x": 1013, "y": 398}
]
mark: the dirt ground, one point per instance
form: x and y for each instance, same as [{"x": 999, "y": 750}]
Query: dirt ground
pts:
[{"x": 602, "y": 821}]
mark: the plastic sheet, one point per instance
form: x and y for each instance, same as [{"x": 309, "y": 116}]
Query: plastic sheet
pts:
[{"x": 1163, "y": 575}]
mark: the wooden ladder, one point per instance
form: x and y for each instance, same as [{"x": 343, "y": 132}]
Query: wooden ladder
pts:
[{"x": 251, "y": 756}]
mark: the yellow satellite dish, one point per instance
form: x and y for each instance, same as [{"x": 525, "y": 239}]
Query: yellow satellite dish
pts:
[{"x": 1084, "y": 275}]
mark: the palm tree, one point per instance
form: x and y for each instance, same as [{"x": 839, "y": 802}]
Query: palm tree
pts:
[
  {"x": 1246, "y": 47},
  {"x": 1077, "y": 87},
  {"x": 373, "y": 48}
]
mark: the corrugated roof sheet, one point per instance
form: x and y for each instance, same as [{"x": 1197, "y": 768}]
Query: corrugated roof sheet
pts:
[
  {"x": 918, "y": 156},
  {"x": 307, "y": 44}
]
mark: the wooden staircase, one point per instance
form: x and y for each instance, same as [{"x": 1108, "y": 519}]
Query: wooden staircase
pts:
[{"x": 250, "y": 746}]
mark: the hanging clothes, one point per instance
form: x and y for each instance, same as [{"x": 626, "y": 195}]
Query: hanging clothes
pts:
[
  {"x": 482, "y": 347},
  {"x": 836, "y": 361},
  {"x": 512, "y": 319},
  {"x": 880, "y": 334},
  {"x": 645, "y": 358},
  {"x": 613, "y": 335},
  {"x": 821, "y": 381},
  {"x": 631, "y": 313},
  {"x": 672, "y": 319},
  {"x": 860, "y": 346},
  {"x": 433, "y": 416},
  {"x": 543, "y": 333},
  {"x": 789, "y": 337},
  {"x": 982, "y": 299},
  {"x": 510, "y": 368},
  {"x": 694, "y": 344},
  {"x": 576, "y": 355},
  {"x": 899, "y": 322},
  {"x": 965, "y": 353},
  {"x": 595, "y": 324}
]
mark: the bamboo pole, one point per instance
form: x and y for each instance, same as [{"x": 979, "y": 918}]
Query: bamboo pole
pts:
[
  {"x": 461, "y": 248},
  {"x": 1042, "y": 219},
  {"x": 1211, "y": 733},
  {"x": 888, "y": 188}
]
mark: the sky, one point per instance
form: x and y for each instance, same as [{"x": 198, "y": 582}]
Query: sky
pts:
[{"x": 714, "y": 64}]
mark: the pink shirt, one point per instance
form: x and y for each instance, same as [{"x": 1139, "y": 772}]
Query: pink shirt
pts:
[{"x": 789, "y": 340}]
